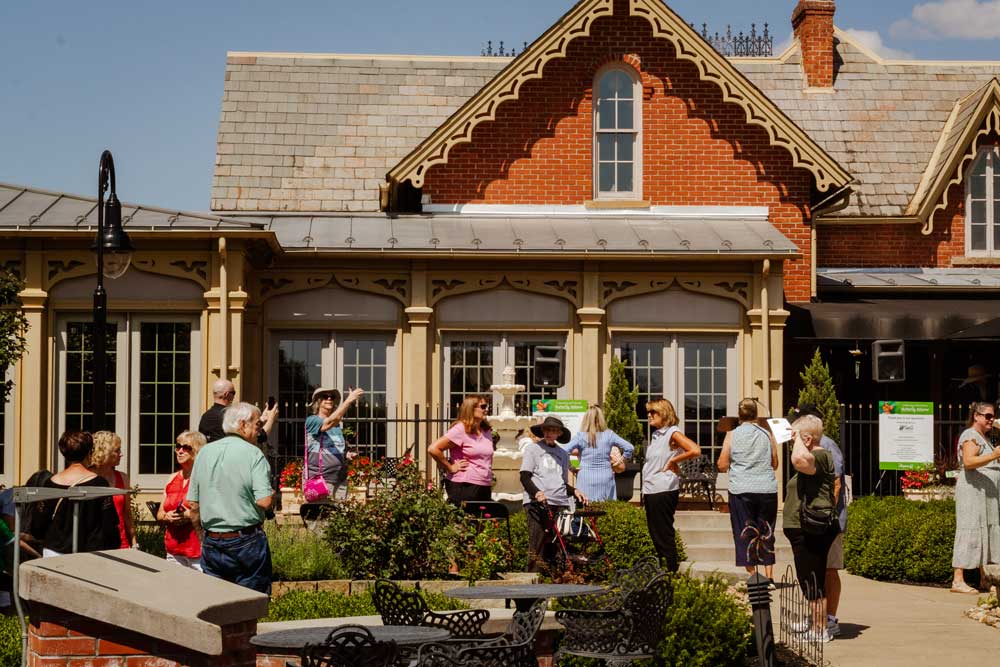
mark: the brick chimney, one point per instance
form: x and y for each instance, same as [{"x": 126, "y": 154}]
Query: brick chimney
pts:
[{"x": 812, "y": 21}]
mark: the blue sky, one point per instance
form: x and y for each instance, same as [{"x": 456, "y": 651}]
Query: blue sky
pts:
[{"x": 145, "y": 79}]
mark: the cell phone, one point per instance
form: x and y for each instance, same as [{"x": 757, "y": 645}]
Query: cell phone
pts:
[
  {"x": 270, "y": 402},
  {"x": 179, "y": 510}
]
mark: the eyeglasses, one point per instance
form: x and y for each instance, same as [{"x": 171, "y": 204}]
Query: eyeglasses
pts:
[
  {"x": 988, "y": 415},
  {"x": 185, "y": 448}
]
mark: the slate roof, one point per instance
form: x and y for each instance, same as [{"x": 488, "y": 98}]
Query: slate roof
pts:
[
  {"x": 532, "y": 234},
  {"x": 318, "y": 133},
  {"x": 32, "y": 209}
]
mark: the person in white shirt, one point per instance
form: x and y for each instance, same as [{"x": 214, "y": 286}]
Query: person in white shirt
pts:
[{"x": 668, "y": 446}]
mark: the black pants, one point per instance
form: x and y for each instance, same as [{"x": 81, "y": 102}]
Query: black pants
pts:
[
  {"x": 460, "y": 492},
  {"x": 810, "y": 552},
  {"x": 541, "y": 535},
  {"x": 660, "y": 510}
]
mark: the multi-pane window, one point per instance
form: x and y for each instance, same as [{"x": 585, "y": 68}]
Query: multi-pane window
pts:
[
  {"x": 616, "y": 134},
  {"x": 473, "y": 364},
  {"x": 305, "y": 362},
  {"x": 79, "y": 379},
  {"x": 164, "y": 392},
  {"x": 300, "y": 364},
  {"x": 982, "y": 217},
  {"x": 697, "y": 375},
  {"x": 706, "y": 393}
]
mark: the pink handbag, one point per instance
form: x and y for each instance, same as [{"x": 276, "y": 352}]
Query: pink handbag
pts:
[{"x": 314, "y": 488}]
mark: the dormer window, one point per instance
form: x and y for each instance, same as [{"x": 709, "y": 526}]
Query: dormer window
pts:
[
  {"x": 617, "y": 138},
  {"x": 982, "y": 204}
]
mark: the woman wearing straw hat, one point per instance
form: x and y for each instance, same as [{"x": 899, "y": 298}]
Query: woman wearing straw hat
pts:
[{"x": 325, "y": 442}]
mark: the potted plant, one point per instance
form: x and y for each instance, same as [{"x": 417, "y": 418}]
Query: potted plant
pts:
[
  {"x": 928, "y": 483},
  {"x": 620, "y": 403},
  {"x": 290, "y": 484}
]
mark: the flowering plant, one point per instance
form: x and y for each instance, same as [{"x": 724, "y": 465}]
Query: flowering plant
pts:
[
  {"x": 363, "y": 470},
  {"x": 916, "y": 479},
  {"x": 291, "y": 476}
]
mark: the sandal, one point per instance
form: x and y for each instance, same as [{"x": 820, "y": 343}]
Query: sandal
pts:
[{"x": 963, "y": 588}]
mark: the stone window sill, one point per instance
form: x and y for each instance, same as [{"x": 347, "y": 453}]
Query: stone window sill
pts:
[
  {"x": 975, "y": 261},
  {"x": 616, "y": 203}
]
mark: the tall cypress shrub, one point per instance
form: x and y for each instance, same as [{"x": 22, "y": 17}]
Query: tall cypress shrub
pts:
[
  {"x": 620, "y": 404},
  {"x": 818, "y": 389}
]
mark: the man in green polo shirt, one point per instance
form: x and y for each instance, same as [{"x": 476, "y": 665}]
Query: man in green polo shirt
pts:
[{"x": 229, "y": 492}]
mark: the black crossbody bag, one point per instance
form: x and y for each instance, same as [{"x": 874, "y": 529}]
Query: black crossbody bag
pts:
[{"x": 818, "y": 520}]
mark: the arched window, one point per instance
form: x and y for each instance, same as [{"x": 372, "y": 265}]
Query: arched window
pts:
[
  {"x": 617, "y": 123},
  {"x": 982, "y": 204}
]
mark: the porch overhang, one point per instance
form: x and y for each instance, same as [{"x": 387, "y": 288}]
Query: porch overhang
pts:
[{"x": 886, "y": 318}]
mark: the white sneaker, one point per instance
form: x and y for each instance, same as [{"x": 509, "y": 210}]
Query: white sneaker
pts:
[
  {"x": 832, "y": 625},
  {"x": 823, "y": 636},
  {"x": 800, "y": 626}
]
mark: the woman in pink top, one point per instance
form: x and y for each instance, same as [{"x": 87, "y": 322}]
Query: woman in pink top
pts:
[
  {"x": 104, "y": 458},
  {"x": 469, "y": 443}
]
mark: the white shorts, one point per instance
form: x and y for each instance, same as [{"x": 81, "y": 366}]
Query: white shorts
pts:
[{"x": 193, "y": 563}]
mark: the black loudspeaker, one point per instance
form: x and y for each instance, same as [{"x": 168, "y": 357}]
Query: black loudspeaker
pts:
[
  {"x": 888, "y": 361},
  {"x": 548, "y": 367}
]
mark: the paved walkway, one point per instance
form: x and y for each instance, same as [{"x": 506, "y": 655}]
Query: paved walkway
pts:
[{"x": 891, "y": 625}]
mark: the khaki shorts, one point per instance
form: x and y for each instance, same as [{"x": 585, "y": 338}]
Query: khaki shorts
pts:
[{"x": 835, "y": 557}]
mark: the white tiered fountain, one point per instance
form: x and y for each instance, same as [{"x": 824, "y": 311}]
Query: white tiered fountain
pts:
[{"x": 507, "y": 457}]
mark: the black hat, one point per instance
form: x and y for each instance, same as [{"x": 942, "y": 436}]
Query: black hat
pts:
[{"x": 553, "y": 422}]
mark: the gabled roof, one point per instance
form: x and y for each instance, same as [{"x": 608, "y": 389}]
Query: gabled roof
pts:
[
  {"x": 23, "y": 208},
  {"x": 689, "y": 45},
  {"x": 973, "y": 117}
]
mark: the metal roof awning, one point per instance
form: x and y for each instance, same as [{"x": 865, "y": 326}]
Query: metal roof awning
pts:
[
  {"x": 906, "y": 319},
  {"x": 598, "y": 235}
]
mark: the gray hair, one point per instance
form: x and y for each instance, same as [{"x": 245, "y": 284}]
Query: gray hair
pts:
[
  {"x": 810, "y": 425},
  {"x": 239, "y": 413}
]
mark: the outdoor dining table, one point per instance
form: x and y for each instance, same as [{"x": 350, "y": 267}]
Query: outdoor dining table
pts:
[
  {"x": 292, "y": 641},
  {"x": 523, "y": 595}
]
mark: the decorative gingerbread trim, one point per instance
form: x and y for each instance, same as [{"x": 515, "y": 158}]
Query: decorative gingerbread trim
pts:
[
  {"x": 615, "y": 287},
  {"x": 444, "y": 286},
  {"x": 712, "y": 66},
  {"x": 395, "y": 286}
]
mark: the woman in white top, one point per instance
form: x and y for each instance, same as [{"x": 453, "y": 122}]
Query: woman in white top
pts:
[{"x": 668, "y": 446}]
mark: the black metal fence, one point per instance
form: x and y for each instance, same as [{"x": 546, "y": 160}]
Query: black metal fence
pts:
[
  {"x": 801, "y": 623},
  {"x": 859, "y": 443}
]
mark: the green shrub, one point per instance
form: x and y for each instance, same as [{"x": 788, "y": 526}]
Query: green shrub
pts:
[
  {"x": 301, "y": 605},
  {"x": 625, "y": 534},
  {"x": 706, "y": 626},
  {"x": 519, "y": 542},
  {"x": 10, "y": 642},
  {"x": 406, "y": 532},
  {"x": 487, "y": 553},
  {"x": 299, "y": 555},
  {"x": 149, "y": 539},
  {"x": 893, "y": 539}
]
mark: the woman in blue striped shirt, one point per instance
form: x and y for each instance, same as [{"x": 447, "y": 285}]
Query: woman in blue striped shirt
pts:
[{"x": 594, "y": 442}]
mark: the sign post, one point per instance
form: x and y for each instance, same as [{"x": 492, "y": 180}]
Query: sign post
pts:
[{"x": 905, "y": 435}]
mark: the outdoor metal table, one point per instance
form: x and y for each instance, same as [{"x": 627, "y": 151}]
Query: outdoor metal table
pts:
[
  {"x": 292, "y": 641},
  {"x": 523, "y": 595}
]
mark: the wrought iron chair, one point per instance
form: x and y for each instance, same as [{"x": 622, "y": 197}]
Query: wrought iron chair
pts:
[
  {"x": 399, "y": 607},
  {"x": 488, "y": 510},
  {"x": 350, "y": 646},
  {"x": 698, "y": 477},
  {"x": 623, "y": 633},
  {"x": 623, "y": 582},
  {"x": 515, "y": 648}
]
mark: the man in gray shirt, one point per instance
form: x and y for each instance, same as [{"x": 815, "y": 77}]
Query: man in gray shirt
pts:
[{"x": 544, "y": 476}]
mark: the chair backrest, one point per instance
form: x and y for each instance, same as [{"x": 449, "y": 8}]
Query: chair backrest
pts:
[
  {"x": 525, "y": 624},
  {"x": 641, "y": 573},
  {"x": 396, "y": 606},
  {"x": 648, "y": 607},
  {"x": 691, "y": 467},
  {"x": 350, "y": 646},
  {"x": 486, "y": 509}
]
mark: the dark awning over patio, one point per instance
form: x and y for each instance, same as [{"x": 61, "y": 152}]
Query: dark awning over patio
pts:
[{"x": 906, "y": 319}]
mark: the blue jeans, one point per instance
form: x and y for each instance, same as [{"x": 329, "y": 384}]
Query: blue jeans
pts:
[{"x": 243, "y": 560}]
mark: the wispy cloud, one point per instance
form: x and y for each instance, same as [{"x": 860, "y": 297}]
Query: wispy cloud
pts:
[
  {"x": 872, "y": 40},
  {"x": 961, "y": 19}
]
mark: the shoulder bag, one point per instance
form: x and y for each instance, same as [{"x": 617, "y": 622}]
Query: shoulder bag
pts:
[
  {"x": 314, "y": 488},
  {"x": 818, "y": 520}
]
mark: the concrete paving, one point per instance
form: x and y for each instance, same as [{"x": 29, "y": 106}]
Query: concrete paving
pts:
[{"x": 892, "y": 625}]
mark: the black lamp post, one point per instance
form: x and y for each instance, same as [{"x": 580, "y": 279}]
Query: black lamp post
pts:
[{"x": 114, "y": 254}]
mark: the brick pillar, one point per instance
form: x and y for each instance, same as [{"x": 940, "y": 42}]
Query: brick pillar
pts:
[
  {"x": 57, "y": 637},
  {"x": 812, "y": 21}
]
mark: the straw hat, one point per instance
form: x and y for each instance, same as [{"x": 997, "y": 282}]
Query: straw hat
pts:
[{"x": 327, "y": 390}]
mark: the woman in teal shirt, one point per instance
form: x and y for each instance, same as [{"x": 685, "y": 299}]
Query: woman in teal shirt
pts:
[{"x": 325, "y": 443}]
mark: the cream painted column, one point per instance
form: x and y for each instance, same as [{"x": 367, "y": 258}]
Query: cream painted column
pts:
[
  {"x": 589, "y": 360},
  {"x": 417, "y": 352},
  {"x": 225, "y": 313},
  {"x": 236, "y": 284},
  {"x": 31, "y": 419}
]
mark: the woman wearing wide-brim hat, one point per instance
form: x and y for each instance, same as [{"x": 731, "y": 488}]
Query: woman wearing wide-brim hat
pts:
[{"x": 326, "y": 446}]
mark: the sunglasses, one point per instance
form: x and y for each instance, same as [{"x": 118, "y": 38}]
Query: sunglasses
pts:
[
  {"x": 988, "y": 415},
  {"x": 484, "y": 405},
  {"x": 651, "y": 413},
  {"x": 326, "y": 397},
  {"x": 186, "y": 448}
]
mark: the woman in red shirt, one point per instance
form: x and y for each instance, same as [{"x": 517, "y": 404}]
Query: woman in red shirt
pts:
[
  {"x": 181, "y": 540},
  {"x": 104, "y": 460}
]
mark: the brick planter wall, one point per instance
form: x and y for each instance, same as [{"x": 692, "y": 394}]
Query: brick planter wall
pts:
[{"x": 58, "y": 638}]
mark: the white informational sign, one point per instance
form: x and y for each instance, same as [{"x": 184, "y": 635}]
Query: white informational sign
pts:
[
  {"x": 780, "y": 428},
  {"x": 905, "y": 435},
  {"x": 568, "y": 410}
]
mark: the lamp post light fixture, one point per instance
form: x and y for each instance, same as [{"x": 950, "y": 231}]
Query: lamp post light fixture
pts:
[{"x": 114, "y": 255}]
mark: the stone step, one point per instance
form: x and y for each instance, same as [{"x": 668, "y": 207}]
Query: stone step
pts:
[
  {"x": 725, "y": 552},
  {"x": 701, "y": 536}
]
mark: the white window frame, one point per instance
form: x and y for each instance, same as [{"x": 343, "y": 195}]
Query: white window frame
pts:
[
  {"x": 332, "y": 368},
  {"x": 673, "y": 365},
  {"x": 990, "y": 155},
  {"x": 195, "y": 393},
  {"x": 503, "y": 356},
  {"x": 637, "y": 102}
]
